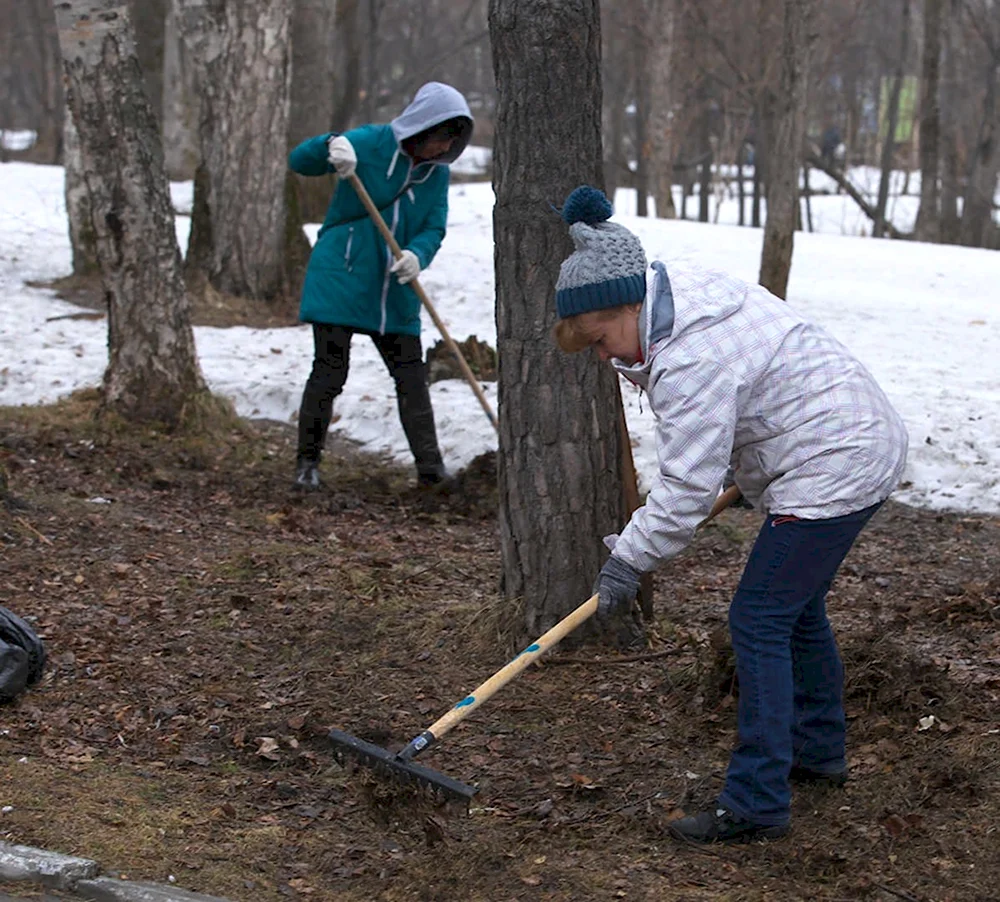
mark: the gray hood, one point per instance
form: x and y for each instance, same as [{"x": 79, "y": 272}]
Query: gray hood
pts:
[{"x": 433, "y": 104}]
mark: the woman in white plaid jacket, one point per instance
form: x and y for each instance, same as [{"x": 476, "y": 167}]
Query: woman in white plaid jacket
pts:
[{"x": 741, "y": 386}]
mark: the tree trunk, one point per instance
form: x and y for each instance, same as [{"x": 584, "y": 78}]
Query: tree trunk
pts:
[
  {"x": 150, "y": 17},
  {"x": 951, "y": 93},
  {"x": 616, "y": 85},
  {"x": 755, "y": 199},
  {"x": 659, "y": 68},
  {"x": 740, "y": 188},
  {"x": 31, "y": 94},
  {"x": 313, "y": 63},
  {"x": 928, "y": 225},
  {"x": 892, "y": 118},
  {"x": 642, "y": 149},
  {"x": 152, "y": 373},
  {"x": 559, "y": 460},
  {"x": 371, "y": 76},
  {"x": 977, "y": 227},
  {"x": 786, "y": 113},
  {"x": 705, "y": 169},
  {"x": 807, "y": 196},
  {"x": 82, "y": 238},
  {"x": 315, "y": 69},
  {"x": 347, "y": 51},
  {"x": 240, "y": 50},
  {"x": 179, "y": 102}
]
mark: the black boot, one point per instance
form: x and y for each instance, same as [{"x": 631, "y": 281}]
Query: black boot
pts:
[
  {"x": 820, "y": 779},
  {"x": 417, "y": 416},
  {"x": 306, "y": 476},
  {"x": 723, "y": 826},
  {"x": 325, "y": 383}
]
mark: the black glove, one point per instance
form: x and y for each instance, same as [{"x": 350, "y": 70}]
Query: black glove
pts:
[{"x": 616, "y": 587}]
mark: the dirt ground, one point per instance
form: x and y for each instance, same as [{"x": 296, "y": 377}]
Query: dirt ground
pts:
[{"x": 206, "y": 628}]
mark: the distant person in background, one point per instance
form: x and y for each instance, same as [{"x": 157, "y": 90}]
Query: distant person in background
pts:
[
  {"x": 831, "y": 147},
  {"x": 353, "y": 284}
]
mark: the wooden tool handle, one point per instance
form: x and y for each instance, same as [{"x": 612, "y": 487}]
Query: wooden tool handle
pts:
[
  {"x": 390, "y": 239},
  {"x": 541, "y": 645},
  {"x": 482, "y": 693},
  {"x": 512, "y": 668},
  {"x": 729, "y": 497}
]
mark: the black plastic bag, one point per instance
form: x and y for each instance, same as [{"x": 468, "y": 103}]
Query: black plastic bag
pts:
[{"x": 22, "y": 656}]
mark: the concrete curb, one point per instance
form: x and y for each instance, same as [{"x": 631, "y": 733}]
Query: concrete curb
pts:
[{"x": 81, "y": 877}]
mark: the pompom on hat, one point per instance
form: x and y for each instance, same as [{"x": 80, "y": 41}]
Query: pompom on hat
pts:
[{"x": 608, "y": 267}]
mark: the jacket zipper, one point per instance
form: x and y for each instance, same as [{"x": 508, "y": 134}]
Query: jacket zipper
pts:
[
  {"x": 347, "y": 250},
  {"x": 388, "y": 252}
]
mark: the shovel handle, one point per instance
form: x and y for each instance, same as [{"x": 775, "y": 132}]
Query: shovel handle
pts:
[
  {"x": 390, "y": 239},
  {"x": 485, "y": 691}
]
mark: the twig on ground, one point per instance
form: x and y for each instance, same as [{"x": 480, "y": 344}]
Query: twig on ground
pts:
[
  {"x": 898, "y": 893},
  {"x": 628, "y": 659},
  {"x": 32, "y": 529}
]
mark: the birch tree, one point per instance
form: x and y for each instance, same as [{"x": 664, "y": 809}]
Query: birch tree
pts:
[
  {"x": 152, "y": 372},
  {"x": 240, "y": 51}
]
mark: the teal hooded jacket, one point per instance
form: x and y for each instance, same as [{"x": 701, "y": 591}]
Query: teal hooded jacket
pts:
[{"x": 347, "y": 281}]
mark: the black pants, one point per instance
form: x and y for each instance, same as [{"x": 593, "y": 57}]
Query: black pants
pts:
[{"x": 403, "y": 357}]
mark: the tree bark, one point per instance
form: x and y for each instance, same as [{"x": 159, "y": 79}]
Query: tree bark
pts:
[
  {"x": 240, "y": 49},
  {"x": 347, "y": 51},
  {"x": 928, "y": 225},
  {"x": 785, "y": 112},
  {"x": 642, "y": 144},
  {"x": 149, "y": 18},
  {"x": 31, "y": 93},
  {"x": 79, "y": 215},
  {"x": 705, "y": 167},
  {"x": 892, "y": 118},
  {"x": 313, "y": 92},
  {"x": 179, "y": 103},
  {"x": 661, "y": 122},
  {"x": 559, "y": 459},
  {"x": 616, "y": 82},
  {"x": 977, "y": 227},
  {"x": 152, "y": 373},
  {"x": 950, "y": 100}
]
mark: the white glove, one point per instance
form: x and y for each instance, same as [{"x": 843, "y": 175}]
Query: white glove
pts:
[
  {"x": 406, "y": 268},
  {"x": 611, "y": 541},
  {"x": 342, "y": 156}
]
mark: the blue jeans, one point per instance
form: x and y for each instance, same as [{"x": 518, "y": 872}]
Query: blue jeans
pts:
[{"x": 790, "y": 675}]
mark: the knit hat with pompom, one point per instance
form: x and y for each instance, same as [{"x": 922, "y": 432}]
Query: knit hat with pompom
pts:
[{"x": 608, "y": 267}]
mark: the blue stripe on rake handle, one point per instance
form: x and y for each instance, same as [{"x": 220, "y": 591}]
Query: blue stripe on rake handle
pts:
[
  {"x": 465, "y": 702},
  {"x": 529, "y": 650}
]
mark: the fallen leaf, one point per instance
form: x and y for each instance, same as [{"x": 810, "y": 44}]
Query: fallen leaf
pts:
[
  {"x": 895, "y": 825},
  {"x": 267, "y": 747}
]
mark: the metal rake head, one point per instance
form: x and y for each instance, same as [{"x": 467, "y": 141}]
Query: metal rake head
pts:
[{"x": 384, "y": 762}]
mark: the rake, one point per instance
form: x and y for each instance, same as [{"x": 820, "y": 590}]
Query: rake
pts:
[{"x": 400, "y": 765}]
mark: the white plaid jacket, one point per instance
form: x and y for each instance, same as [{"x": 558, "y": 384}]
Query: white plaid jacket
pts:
[{"x": 737, "y": 379}]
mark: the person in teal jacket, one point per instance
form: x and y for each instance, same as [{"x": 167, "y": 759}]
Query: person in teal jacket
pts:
[{"x": 352, "y": 283}]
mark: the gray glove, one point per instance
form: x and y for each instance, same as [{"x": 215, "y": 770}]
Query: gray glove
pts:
[{"x": 616, "y": 587}]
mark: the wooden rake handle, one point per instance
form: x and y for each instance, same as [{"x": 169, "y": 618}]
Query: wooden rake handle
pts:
[
  {"x": 390, "y": 239},
  {"x": 485, "y": 691}
]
